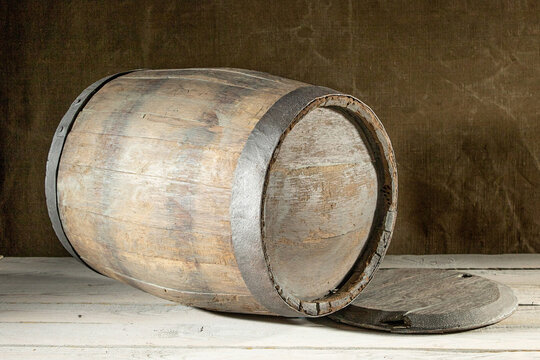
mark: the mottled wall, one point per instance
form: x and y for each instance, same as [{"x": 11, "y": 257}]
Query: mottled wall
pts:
[{"x": 456, "y": 83}]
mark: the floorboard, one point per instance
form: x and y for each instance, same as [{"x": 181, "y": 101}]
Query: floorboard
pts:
[{"x": 55, "y": 308}]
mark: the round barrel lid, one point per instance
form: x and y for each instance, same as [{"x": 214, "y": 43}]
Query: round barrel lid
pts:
[{"x": 420, "y": 301}]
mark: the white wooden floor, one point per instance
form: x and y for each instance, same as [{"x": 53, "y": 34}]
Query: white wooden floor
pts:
[{"x": 54, "y": 308}]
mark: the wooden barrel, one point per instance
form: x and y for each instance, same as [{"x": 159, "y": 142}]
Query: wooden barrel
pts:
[{"x": 225, "y": 189}]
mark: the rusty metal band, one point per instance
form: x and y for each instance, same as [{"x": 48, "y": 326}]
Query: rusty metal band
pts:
[
  {"x": 247, "y": 195},
  {"x": 53, "y": 159}
]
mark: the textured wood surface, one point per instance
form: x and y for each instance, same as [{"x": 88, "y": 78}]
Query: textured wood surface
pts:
[
  {"x": 55, "y": 308},
  {"x": 151, "y": 169},
  {"x": 145, "y": 178},
  {"x": 464, "y": 261},
  {"x": 319, "y": 203},
  {"x": 423, "y": 301}
]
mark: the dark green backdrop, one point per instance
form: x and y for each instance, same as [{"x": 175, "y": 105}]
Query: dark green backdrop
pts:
[{"x": 456, "y": 83}]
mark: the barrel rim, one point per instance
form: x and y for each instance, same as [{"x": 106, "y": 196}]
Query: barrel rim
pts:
[
  {"x": 55, "y": 154},
  {"x": 249, "y": 186}
]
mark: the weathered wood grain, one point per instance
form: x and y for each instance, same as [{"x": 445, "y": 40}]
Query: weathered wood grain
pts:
[
  {"x": 244, "y": 333},
  {"x": 464, "y": 261},
  {"x": 161, "y": 352},
  {"x": 41, "y": 300},
  {"x": 319, "y": 205},
  {"x": 149, "y": 168},
  {"x": 145, "y": 178},
  {"x": 64, "y": 280}
]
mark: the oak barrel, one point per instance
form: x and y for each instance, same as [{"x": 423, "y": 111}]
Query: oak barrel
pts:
[{"x": 225, "y": 189}]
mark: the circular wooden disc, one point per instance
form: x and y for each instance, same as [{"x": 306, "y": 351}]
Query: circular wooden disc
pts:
[{"x": 417, "y": 301}]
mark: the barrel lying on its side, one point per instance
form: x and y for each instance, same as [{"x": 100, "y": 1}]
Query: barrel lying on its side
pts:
[{"x": 225, "y": 189}]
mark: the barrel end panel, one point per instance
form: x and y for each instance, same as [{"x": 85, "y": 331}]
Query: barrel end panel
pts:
[{"x": 261, "y": 261}]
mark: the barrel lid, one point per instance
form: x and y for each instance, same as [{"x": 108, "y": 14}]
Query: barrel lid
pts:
[{"x": 418, "y": 301}]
